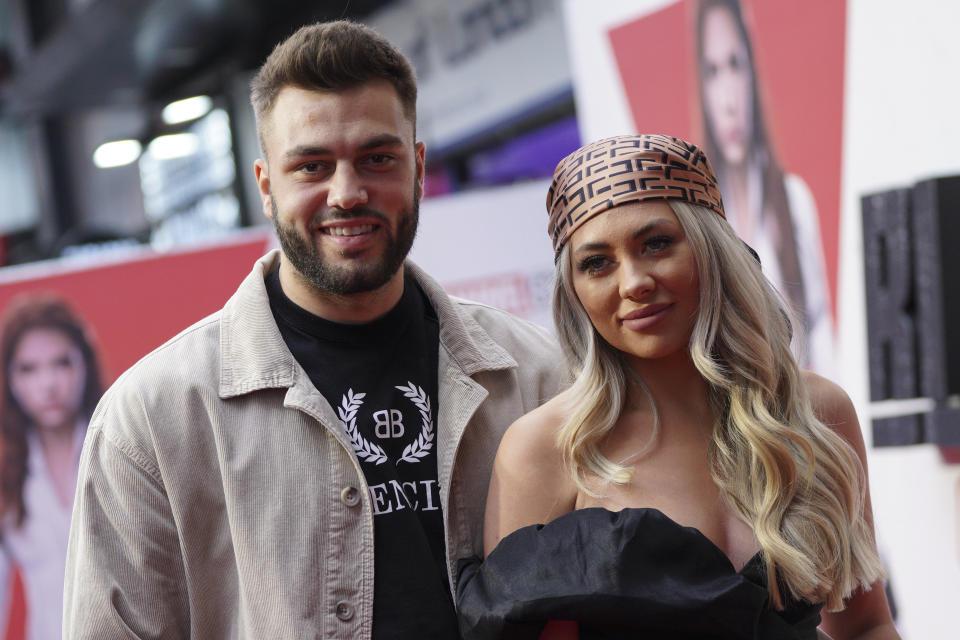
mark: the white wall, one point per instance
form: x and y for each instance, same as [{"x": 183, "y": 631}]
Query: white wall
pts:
[
  {"x": 900, "y": 126},
  {"x": 491, "y": 245}
]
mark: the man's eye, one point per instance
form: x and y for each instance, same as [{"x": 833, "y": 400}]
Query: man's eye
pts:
[
  {"x": 313, "y": 167},
  {"x": 378, "y": 160}
]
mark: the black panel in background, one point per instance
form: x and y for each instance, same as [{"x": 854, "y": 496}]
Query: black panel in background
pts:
[
  {"x": 899, "y": 431},
  {"x": 889, "y": 276},
  {"x": 936, "y": 222},
  {"x": 64, "y": 214},
  {"x": 912, "y": 276},
  {"x": 936, "y": 215}
]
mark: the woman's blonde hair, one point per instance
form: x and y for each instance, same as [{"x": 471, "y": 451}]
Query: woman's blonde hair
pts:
[{"x": 798, "y": 484}]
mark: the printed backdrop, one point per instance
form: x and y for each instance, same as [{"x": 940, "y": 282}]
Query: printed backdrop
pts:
[
  {"x": 798, "y": 47},
  {"x": 127, "y": 306}
]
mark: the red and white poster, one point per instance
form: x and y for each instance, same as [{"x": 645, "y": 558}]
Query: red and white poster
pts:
[
  {"x": 758, "y": 85},
  {"x": 67, "y": 330}
]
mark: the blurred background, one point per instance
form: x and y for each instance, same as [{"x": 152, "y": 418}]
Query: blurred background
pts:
[
  {"x": 75, "y": 74},
  {"x": 127, "y": 188}
]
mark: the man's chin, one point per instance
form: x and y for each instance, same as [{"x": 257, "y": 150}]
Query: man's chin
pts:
[
  {"x": 350, "y": 257},
  {"x": 350, "y": 279},
  {"x": 372, "y": 247}
]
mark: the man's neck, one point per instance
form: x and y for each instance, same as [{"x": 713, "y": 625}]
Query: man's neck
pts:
[{"x": 356, "y": 308}]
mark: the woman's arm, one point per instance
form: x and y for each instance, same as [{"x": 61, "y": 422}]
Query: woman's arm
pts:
[
  {"x": 529, "y": 484},
  {"x": 867, "y": 614}
]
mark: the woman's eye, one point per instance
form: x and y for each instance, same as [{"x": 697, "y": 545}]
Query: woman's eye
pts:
[
  {"x": 657, "y": 244},
  {"x": 592, "y": 264}
]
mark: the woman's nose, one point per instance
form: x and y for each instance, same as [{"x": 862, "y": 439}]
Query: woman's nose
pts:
[
  {"x": 636, "y": 281},
  {"x": 47, "y": 382}
]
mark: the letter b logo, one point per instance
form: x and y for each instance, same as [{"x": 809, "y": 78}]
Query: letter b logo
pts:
[{"x": 388, "y": 423}]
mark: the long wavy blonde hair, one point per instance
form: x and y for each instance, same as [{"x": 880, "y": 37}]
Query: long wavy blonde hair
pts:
[{"x": 798, "y": 484}]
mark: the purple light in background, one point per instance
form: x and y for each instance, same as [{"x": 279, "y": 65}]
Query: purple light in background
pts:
[{"x": 532, "y": 155}]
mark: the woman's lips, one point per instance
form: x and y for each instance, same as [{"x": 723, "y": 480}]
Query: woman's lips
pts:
[{"x": 647, "y": 316}]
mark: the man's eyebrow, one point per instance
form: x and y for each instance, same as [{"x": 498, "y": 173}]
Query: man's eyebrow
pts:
[
  {"x": 381, "y": 140},
  {"x": 306, "y": 150}
]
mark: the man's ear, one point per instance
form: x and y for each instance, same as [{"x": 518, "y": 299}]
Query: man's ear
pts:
[
  {"x": 420, "y": 153},
  {"x": 262, "y": 172}
]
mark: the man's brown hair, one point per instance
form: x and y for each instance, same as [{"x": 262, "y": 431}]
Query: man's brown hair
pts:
[{"x": 333, "y": 56}]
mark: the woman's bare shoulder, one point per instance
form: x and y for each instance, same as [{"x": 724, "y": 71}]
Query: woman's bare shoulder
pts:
[
  {"x": 530, "y": 483},
  {"x": 533, "y": 436},
  {"x": 833, "y": 407}
]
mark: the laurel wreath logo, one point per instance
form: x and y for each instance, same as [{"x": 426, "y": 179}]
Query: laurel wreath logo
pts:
[
  {"x": 368, "y": 451},
  {"x": 372, "y": 452},
  {"x": 420, "y": 447}
]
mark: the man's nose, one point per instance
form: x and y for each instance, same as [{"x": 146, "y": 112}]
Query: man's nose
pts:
[{"x": 346, "y": 190}]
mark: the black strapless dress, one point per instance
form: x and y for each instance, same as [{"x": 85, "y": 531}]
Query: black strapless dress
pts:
[{"x": 631, "y": 574}]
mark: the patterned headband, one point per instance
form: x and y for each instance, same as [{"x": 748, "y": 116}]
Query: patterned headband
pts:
[{"x": 626, "y": 169}]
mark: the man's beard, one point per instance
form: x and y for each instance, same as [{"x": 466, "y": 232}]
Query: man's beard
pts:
[{"x": 364, "y": 275}]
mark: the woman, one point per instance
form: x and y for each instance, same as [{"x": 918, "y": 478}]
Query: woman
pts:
[
  {"x": 772, "y": 211},
  {"x": 693, "y": 481},
  {"x": 51, "y": 385}
]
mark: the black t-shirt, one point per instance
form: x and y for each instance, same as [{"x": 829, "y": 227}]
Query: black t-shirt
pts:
[{"x": 381, "y": 379}]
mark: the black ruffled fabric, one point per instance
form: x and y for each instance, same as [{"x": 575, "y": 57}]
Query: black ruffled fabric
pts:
[{"x": 631, "y": 574}]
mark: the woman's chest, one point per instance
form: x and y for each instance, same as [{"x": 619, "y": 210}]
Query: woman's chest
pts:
[{"x": 685, "y": 492}]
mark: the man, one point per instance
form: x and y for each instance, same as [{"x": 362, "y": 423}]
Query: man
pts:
[{"x": 312, "y": 460}]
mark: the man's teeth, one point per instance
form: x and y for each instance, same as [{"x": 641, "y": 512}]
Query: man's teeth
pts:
[{"x": 349, "y": 231}]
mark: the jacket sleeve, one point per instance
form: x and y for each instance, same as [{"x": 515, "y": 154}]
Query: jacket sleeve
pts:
[{"x": 125, "y": 576}]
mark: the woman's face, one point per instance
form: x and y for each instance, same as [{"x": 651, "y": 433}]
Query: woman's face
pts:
[
  {"x": 635, "y": 274},
  {"x": 727, "y": 85},
  {"x": 47, "y": 377}
]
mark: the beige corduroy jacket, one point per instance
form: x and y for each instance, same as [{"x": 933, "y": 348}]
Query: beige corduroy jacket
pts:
[{"x": 219, "y": 496}]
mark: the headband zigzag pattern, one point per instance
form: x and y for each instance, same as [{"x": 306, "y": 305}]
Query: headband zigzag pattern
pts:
[{"x": 623, "y": 170}]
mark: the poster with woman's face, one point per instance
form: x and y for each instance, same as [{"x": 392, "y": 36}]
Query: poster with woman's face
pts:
[
  {"x": 66, "y": 331},
  {"x": 759, "y": 85}
]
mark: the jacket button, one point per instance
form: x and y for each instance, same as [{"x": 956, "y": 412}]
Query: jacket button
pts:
[
  {"x": 344, "y": 610},
  {"x": 350, "y": 496}
]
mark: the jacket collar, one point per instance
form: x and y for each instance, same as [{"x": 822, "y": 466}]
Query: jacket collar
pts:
[
  {"x": 254, "y": 355},
  {"x": 468, "y": 344}
]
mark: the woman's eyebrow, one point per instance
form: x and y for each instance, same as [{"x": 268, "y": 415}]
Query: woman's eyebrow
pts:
[
  {"x": 638, "y": 233},
  {"x": 592, "y": 246},
  {"x": 650, "y": 226}
]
